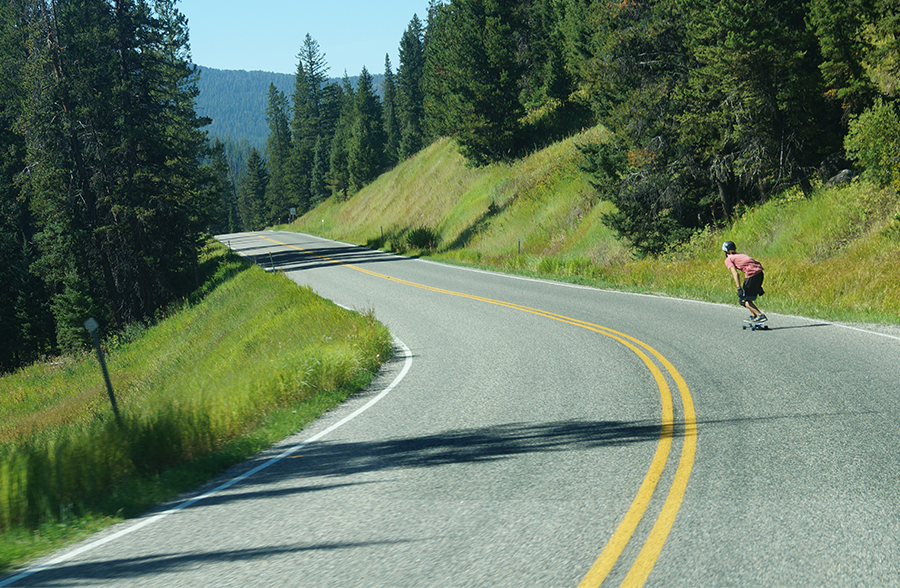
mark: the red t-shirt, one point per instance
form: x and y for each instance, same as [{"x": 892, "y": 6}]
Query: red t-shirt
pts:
[{"x": 744, "y": 263}]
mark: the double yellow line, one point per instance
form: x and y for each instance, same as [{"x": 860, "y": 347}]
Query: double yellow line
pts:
[{"x": 649, "y": 553}]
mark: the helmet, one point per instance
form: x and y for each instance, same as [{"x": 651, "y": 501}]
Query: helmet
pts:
[{"x": 728, "y": 246}]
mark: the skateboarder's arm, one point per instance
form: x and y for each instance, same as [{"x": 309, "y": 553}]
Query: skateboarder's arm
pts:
[{"x": 737, "y": 278}]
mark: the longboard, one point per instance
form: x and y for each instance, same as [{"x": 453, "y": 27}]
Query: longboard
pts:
[{"x": 756, "y": 326}]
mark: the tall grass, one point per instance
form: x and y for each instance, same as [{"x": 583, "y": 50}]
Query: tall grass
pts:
[
  {"x": 541, "y": 205},
  {"x": 217, "y": 377},
  {"x": 825, "y": 255}
]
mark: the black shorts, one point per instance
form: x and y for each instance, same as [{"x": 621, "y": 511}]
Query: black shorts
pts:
[{"x": 753, "y": 287}]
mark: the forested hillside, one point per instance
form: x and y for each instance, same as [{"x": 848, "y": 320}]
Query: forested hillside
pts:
[
  {"x": 712, "y": 106},
  {"x": 235, "y": 101}
]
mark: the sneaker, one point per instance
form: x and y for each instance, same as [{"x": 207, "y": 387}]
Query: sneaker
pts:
[
  {"x": 760, "y": 319},
  {"x": 750, "y": 319}
]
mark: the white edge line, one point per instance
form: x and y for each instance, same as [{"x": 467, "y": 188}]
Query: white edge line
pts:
[
  {"x": 405, "y": 352},
  {"x": 641, "y": 294},
  {"x": 584, "y": 287},
  {"x": 864, "y": 330}
]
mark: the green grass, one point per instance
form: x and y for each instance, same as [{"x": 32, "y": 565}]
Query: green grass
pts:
[
  {"x": 250, "y": 361},
  {"x": 826, "y": 255}
]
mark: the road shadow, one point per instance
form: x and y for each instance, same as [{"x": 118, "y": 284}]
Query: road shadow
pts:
[
  {"x": 130, "y": 568},
  {"x": 330, "y": 460},
  {"x": 771, "y": 328},
  {"x": 709, "y": 423},
  {"x": 800, "y": 327},
  {"x": 287, "y": 260},
  {"x": 323, "y": 463},
  {"x": 223, "y": 498}
]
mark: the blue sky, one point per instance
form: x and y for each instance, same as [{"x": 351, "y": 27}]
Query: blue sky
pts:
[{"x": 267, "y": 35}]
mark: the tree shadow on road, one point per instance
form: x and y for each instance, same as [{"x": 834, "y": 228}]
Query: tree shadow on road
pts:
[
  {"x": 128, "y": 568},
  {"x": 333, "y": 461},
  {"x": 312, "y": 258},
  {"x": 478, "y": 445}
]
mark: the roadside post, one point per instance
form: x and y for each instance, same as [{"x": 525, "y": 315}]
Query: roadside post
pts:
[{"x": 92, "y": 326}]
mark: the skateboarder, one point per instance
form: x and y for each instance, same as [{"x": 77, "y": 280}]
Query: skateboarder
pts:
[{"x": 753, "y": 279}]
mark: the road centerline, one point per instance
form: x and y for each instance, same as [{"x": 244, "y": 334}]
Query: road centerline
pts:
[{"x": 653, "y": 545}]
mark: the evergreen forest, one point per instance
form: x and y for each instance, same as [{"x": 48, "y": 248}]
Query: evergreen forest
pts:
[
  {"x": 712, "y": 107},
  {"x": 111, "y": 179},
  {"x": 235, "y": 103},
  {"x": 107, "y": 188}
]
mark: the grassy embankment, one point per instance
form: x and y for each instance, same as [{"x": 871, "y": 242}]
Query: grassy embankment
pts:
[
  {"x": 248, "y": 363},
  {"x": 826, "y": 256}
]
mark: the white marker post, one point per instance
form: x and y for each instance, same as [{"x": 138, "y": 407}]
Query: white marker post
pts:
[{"x": 92, "y": 326}]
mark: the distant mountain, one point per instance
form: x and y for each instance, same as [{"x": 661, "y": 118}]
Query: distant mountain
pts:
[{"x": 236, "y": 101}]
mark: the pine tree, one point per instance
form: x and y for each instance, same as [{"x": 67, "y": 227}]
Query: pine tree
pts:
[
  {"x": 712, "y": 104},
  {"x": 632, "y": 63},
  {"x": 228, "y": 219},
  {"x": 757, "y": 119},
  {"x": 410, "y": 90},
  {"x": 278, "y": 156},
  {"x": 338, "y": 176},
  {"x": 436, "y": 96},
  {"x": 365, "y": 149},
  {"x": 318, "y": 187},
  {"x": 59, "y": 188},
  {"x": 839, "y": 28},
  {"x": 252, "y": 193},
  {"x": 10, "y": 281},
  {"x": 307, "y": 121},
  {"x": 333, "y": 97},
  {"x": 16, "y": 347},
  {"x": 391, "y": 122},
  {"x": 185, "y": 195},
  {"x": 474, "y": 68},
  {"x": 332, "y": 102},
  {"x": 544, "y": 76}
]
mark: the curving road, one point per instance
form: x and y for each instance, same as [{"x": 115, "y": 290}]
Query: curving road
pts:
[{"x": 537, "y": 434}]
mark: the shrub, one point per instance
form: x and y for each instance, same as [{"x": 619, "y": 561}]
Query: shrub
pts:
[
  {"x": 873, "y": 140},
  {"x": 422, "y": 238}
]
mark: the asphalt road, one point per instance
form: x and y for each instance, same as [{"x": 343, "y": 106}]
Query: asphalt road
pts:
[{"x": 537, "y": 434}]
